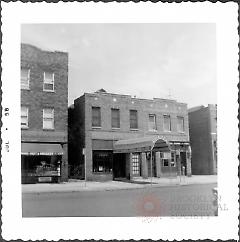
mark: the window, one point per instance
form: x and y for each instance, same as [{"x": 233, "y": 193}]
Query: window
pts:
[
  {"x": 96, "y": 117},
  {"x": 180, "y": 124},
  {"x": 48, "y": 81},
  {"x": 133, "y": 119},
  {"x": 25, "y": 77},
  {"x": 24, "y": 117},
  {"x": 152, "y": 122},
  {"x": 166, "y": 157},
  {"x": 115, "y": 118},
  {"x": 166, "y": 123},
  {"x": 48, "y": 118},
  {"x": 102, "y": 161},
  {"x": 135, "y": 164}
]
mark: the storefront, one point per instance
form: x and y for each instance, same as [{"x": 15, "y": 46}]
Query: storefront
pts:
[
  {"x": 153, "y": 157},
  {"x": 41, "y": 162}
]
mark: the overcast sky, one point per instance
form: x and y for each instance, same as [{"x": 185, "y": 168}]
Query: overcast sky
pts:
[{"x": 176, "y": 61}]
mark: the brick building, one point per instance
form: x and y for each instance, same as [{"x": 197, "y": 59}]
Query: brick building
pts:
[
  {"x": 203, "y": 139},
  {"x": 44, "y": 106},
  {"x": 121, "y": 137}
]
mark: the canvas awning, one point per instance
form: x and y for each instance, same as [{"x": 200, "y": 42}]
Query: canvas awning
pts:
[
  {"x": 41, "y": 149},
  {"x": 142, "y": 144}
]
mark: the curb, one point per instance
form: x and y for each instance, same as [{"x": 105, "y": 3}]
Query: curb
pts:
[{"x": 115, "y": 188}]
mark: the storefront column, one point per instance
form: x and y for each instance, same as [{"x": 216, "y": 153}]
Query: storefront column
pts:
[
  {"x": 144, "y": 165},
  {"x": 189, "y": 167},
  {"x": 158, "y": 164},
  {"x": 64, "y": 165},
  {"x": 129, "y": 165}
]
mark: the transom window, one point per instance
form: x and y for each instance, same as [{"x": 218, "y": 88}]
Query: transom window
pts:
[
  {"x": 24, "y": 117},
  {"x": 152, "y": 122},
  {"x": 25, "y": 78},
  {"x": 96, "y": 117},
  {"x": 166, "y": 123},
  {"x": 48, "y": 81},
  {"x": 48, "y": 118},
  {"x": 180, "y": 124},
  {"x": 133, "y": 119},
  {"x": 135, "y": 164},
  {"x": 115, "y": 118}
]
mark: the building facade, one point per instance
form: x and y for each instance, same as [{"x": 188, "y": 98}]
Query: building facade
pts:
[
  {"x": 118, "y": 136},
  {"x": 203, "y": 139},
  {"x": 44, "y": 107}
]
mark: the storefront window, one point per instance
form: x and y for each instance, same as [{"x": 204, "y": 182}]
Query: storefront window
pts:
[
  {"x": 41, "y": 165},
  {"x": 172, "y": 162},
  {"x": 102, "y": 161}
]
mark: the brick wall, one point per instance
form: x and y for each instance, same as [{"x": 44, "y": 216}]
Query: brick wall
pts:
[
  {"x": 36, "y": 99},
  {"x": 202, "y": 124},
  {"x": 160, "y": 107}
]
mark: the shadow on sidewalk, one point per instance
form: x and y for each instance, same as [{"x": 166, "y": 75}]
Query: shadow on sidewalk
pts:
[{"x": 132, "y": 181}]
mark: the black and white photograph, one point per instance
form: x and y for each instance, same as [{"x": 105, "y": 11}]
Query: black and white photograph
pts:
[
  {"x": 115, "y": 109},
  {"x": 119, "y": 120}
]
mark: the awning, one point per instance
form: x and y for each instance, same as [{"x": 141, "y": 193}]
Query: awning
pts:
[
  {"x": 41, "y": 149},
  {"x": 142, "y": 144}
]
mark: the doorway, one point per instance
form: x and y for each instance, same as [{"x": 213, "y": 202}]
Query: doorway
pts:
[
  {"x": 183, "y": 161},
  {"x": 119, "y": 165}
]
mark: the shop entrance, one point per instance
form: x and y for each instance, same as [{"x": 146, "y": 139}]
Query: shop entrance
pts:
[
  {"x": 183, "y": 159},
  {"x": 119, "y": 165}
]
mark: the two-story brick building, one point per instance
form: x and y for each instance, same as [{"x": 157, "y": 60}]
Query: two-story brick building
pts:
[
  {"x": 203, "y": 138},
  {"x": 44, "y": 109},
  {"x": 117, "y": 135}
]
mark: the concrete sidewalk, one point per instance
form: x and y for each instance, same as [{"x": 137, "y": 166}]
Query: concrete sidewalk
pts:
[{"x": 79, "y": 185}]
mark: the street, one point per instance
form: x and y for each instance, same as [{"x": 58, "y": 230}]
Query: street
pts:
[{"x": 190, "y": 200}]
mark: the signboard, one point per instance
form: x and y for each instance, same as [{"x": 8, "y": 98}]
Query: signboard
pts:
[{"x": 45, "y": 179}]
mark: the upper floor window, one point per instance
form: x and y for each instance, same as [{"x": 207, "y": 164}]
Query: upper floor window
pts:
[
  {"x": 152, "y": 122},
  {"x": 166, "y": 123},
  {"x": 96, "y": 117},
  {"x": 48, "y": 81},
  {"x": 24, "y": 117},
  {"x": 115, "y": 118},
  {"x": 48, "y": 118},
  {"x": 25, "y": 78},
  {"x": 180, "y": 124},
  {"x": 133, "y": 119}
]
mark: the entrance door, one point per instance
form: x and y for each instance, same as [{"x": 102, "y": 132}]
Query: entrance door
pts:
[
  {"x": 183, "y": 160},
  {"x": 119, "y": 165}
]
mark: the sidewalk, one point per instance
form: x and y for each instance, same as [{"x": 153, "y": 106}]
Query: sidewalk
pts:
[{"x": 79, "y": 185}]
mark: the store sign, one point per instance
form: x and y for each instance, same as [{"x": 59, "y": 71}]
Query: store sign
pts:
[{"x": 45, "y": 179}]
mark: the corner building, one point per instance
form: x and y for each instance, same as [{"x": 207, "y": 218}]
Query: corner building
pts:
[
  {"x": 123, "y": 137},
  {"x": 203, "y": 138},
  {"x": 44, "y": 102}
]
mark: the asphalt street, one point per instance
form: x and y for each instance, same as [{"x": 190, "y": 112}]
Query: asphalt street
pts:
[{"x": 190, "y": 200}]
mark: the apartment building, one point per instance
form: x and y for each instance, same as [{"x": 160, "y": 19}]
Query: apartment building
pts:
[
  {"x": 44, "y": 107},
  {"x": 203, "y": 139},
  {"x": 118, "y": 136}
]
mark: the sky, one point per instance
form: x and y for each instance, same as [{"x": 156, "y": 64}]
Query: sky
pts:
[{"x": 161, "y": 60}]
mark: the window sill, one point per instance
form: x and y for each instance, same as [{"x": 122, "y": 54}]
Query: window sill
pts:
[
  {"x": 48, "y": 129},
  {"x": 49, "y": 90},
  {"x": 134, "y": 129},
  {"x": 167, "y": 131},
  {"x": 96, "y": 127},
  {"x": 115, "y": 128},
  {"x": 25, "y": 88}
]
